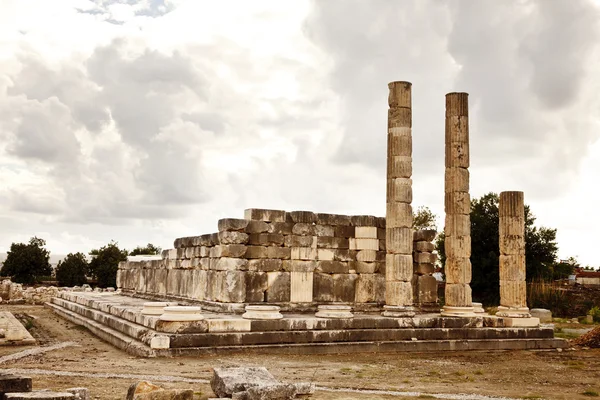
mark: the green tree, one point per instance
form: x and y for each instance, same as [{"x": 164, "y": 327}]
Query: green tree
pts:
[
  {"x": 26, "y": 262},
  {"x": 540, "y": 249},
  {"x": 72, "y": 270},
  {"x": 150, "y": 249},
  {"x": 424, "y": 218},
  {"x": 105, "y": 263}
]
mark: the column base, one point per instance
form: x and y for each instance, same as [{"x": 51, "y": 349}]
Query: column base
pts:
[
  {"x": 450, "y": 311},
  {"x": 398, "y": 311},
  {"x": 478, "y": 308},
  {"x": 513, "y": 312}
]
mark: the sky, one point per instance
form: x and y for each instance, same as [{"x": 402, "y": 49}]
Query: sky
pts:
[{"x": 143, "y": 121}]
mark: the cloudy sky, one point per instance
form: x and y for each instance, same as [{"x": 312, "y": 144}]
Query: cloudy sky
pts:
[{"x": 142, "y": 121}]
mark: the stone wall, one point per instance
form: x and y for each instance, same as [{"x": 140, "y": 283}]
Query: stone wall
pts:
[
  {"x": 270, "y": 256},
  {"x": 16, "y": 293}
]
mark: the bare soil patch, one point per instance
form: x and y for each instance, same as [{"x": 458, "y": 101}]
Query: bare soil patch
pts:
[{"x": 512, "y": 374}]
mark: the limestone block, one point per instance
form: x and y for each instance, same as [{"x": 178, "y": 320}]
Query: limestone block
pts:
[
  {"x": 512, "y": 267},
  {"x": 426, "y": 289},
  {"x": 344, "y": 255},
  {"x": 398, "y": 293},
  {"x": 254, "y": 252},
  {"x": 198, "y": 286},
  {"x": 324, "y": 230},
  {"x": 425, "y": 258},
  {"x": 332, "y": 267},
  {"x": 513, "y": 293},
  {"x": 399, "y": 267},
  {"x": 367, "y": 244},
  {"x": 181, "y": 313},
  {"x": 512, "y": 244},
  {"x": 457, "y": 225},
  {"x": 399, "y": 240},
  {"x": 328, "y": 242},
  {"x": 545, "y": 316},
  {"x": 283, "y": 253},
  {"x": 278, "y": 290},
  {"x": 511, "y": 204},
  {"x": 399, "y": 94},
  {"x": 334, "y": 311},
  {"x": 457, "y": 129},
  {"x": 205, "y": 263},
  {"x": 204, "y": 251},
  {"x": 228, "y": 250},
  {"x": 189, "y": 252},
  {"x": 322, "y": 287},
  {"x": 258, "y": 226},
  {"x": 458, "y": 295},
  {"x": 264, "y": 215},
  {"x": 457, "y": 203},
  {"x": 382, "y": 246},
  {"x": 423, "y": 269},
  {"x": 154, "y": 307},
  {"x": 457, "y": 104},
  {"x": 232, "y": 224},
  {"x": 400, "y": 142},
  {"x": 457, "y": 154},
  {"x": 399, "y": 118},
  {"x": 210, "y": 239},
  {"x": 366, "y": 255},
  {"x": 424, "y": 235},
  {"x": 262, "y": 312},
  {"x": 423, "y": 246},
  {"x": 176, "y": 244},
  {"x": 512, "y": 226},
  {"x": 185, "y": 264},
  {"x": 458, "y": 246},
  {"x": 140, "y": 388},
  {"x": 265, "y": 239},
  {"x": 343, "y": 231},
  {"x": 227, "y": 381},
  {"x": 14, "y": 383},
  {"x": 333, "y": 219},
  {"x": 299, "y": 241},
  {"x": 280, "y": 228},
  {"x": 363, "y": 220},
  {"x": 38, "y": 395},
  {"x": 233, "y": 287},
  {"x": 362, "y": 267},
  {"x": 344, "y": 286},
  {"x": 301, "y": 287},
  {"x": 399, "y": 190},
  {"x": 304, "y": 253},
  {"x": 458, "y": 270},
  {"x": 80, "y": 393},
  {"x": 233, "y": 238},
  {"x": 456, "y": 180},
  {"x": 399, "y": 167},
  {"x": 299, "y": 266},
  {"x": 304, "y": 229},
  {"x": 160, "y": 342},
  {"x": 325, "y": 254},
  {"x": 308, "y": 217},
  {"x": 265, "y": 265},
  {"x": 256, "y": 286},
  {"x": 370, "y": 288},
  {"x": 230, "y": 264}
]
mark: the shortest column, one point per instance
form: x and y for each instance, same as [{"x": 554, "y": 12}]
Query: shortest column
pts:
[{"x": 513, "y": 288}]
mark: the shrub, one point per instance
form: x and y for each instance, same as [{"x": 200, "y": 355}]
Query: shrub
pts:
[
  {"x": 542, "y": 294},
  {"x": 595, "y": 313},
  {"x": 72, "y": 270}
]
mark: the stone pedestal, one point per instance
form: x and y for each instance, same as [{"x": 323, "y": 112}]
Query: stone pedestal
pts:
[
  {"x": 334, "y": 311},
  {"x": 478, "y": 308},
  {"x": 399, "y": 237},
  {"x": 513, "y": 289},
  {"x": 154, "y": 308},
  {"x": 457, "y": 208},
  {"x": 262, "y": 312},
  {"x": 181, "y": 314}
]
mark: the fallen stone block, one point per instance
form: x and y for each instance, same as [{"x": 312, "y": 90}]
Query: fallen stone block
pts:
[
  {"x": 544, "y": 315},
  {"x": 39, "y": 395},
  {"x": 227, "y": 381},
  {"x": 12, "y": 383},
  {"x": 79, "y": 393},
  {"x": 141, "y": 387},
  {"x": 278, "y": 391}
]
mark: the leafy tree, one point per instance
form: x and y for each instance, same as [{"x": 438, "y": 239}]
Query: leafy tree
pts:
[
  {"x": 25, "y": 262},
  {"x": 150, "y": 249},
  {"x": 72, "y": 270},
  {"x": 105, "y": 263},
  {"x": 424, "y": 218},
  {"x": 540, "y": 249}
]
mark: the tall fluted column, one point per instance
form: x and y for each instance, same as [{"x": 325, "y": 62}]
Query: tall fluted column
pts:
[
  {"x": 457, "y": 206},
  {"x": 513, "y": 290},
  {"x": 399, "y": 234}
]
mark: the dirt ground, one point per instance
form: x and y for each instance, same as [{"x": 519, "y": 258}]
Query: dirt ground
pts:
[{"x": 512, "y": 374}]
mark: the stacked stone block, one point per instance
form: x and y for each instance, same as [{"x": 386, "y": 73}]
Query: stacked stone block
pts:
[
  {"x": 424, "y": 283},
  {"x": 270, "y": 256},
  {"x": 513, "y": 289},
  {"x": 399, "y": 294},
  {"x": 457, "y": 207}
]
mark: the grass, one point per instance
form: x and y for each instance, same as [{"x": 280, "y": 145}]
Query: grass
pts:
[
  {"x": 532, "y": 397},
  {"x": 547, "y": 295},
  {"x": 478, "y": 372},
  {"x": 590, "y": 393}
]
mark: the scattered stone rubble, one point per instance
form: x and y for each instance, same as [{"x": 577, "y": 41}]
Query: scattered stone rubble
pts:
[
  {"x": 590, "y": 339},
  {"x": 16, "y": 293},
  {"x": 13, "y": 387},
  {"x": 254, "y": 383},
  {"x": 145, "y": 390}
]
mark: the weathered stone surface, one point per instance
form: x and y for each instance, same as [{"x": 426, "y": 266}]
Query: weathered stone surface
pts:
[
  {"x": 233, "y": 238},
  {"x": 265, "y": 215},
  {"x": 457, "y": 154},
  {"x": 299, "y": 241},
  {"x": 544, "y": 315},
  {"x": 343, "y": 231},
  {"x": 232, "y": 224},
  {"x": 332, "y": 242},
  {"x": 423, "y": 269},
  {"x": 423, "y": 246},
  {"x": 399, "y": 167},
  {"x": 399, "y": 215},
  {"x": 457, "y": 203},
  {"x": 399, "y": 240},
  {"x": 458, "y": 295},
  {"x": 399, "y": 267},
  {"x": 304, "y": 229},
  {"x": 333, "y": 219},
  {"x": 512, "y": 267},
  {"x": 256, "y": 286},
  {"x": 301, "y": 287},
  {"x": 363, "y": 244},
  {"x": 399, "y": 118},
  {"x": 398, "y": 293},
  {"x": 40, "y": 395},
  {"x": 332, "y": 267},
  {"x": 265, "y": 239},
  {"x": 260, "y": 227},
  {"x": 400, "y": 142},
  {"x": 13, "y": 383},
  {"x": 281, "y": 228},
  {"x": 141, "y": 387},
  {"x": 278, "y": 289},
  {"x": 458, "y": 270},
  {"x": 230, "y": 264},
  {"x": 325, "y": 254},
  {"x": 425, "y": 258},
  {"x": 279, "y": 391},
  {"x": 254, "y": 252},
  {"x": 363, "y": 220},
  {"x": 370, "y": 288},
  {"x": 457, "y": 180},
  {"x": 513, "y": 294},
  {"x": 426, "y": 289},
  {"x": 399, "y": 190},
  {"x": 299, "y": 265},
  {"x": 424, "y": 235},
  {"x": 227, "y": 250},
  {"x": 308, "y": 217},
  {"x": 512, "y": 244},
  {"x": 167, "y": 394},
  {"x": 80, "y": 393},
  {"x": 227, "y": 381},
  {"x": 344, "y": 255},
  {"x": 344, "y": 286},
  {"x": 265, "y": 265},
  {"x": 284, "y": 253},
  {"x": 322, "y": 287},
  {"x": 458, "y": 246},
  {"x": 304, "y": 253},
  {"x": 457, "y": 225},
  {"x": 233, "y": 288},
  {"x": 366, "y": 255}
]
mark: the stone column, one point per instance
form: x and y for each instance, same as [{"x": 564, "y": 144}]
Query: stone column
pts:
[
  {"x": 399, "y": 235},
  {"x": 457, "y": 206},
  {"x": 513, "y": 290}
]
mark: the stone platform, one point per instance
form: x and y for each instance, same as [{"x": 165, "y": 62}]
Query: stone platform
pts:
[
  {"x": 13, "y": 332},
  {"x": 118, "y": 319}
]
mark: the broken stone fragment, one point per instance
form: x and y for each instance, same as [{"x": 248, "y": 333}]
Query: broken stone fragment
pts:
[
  {"x": 42, "y": 394},
  {"x": 227, "y": 381},
  {"x": 13, "y": 383},
  {"x": 278, "y": 391}
]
